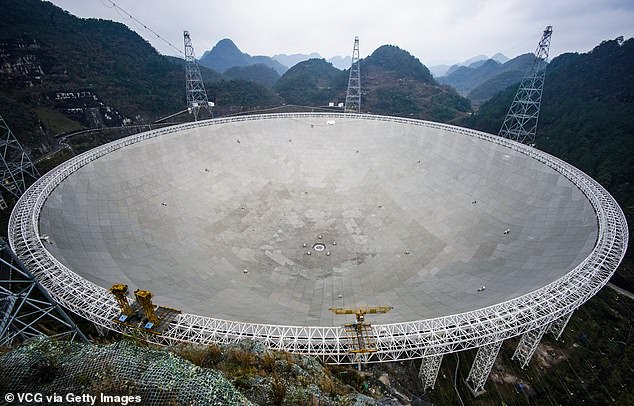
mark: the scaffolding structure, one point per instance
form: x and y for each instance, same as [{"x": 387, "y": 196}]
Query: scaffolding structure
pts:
[
  {"x": 353, "y": 95},
  {"x": 520, "y": 123},
  {"x": 26, "y": 309},
  {"x": 16, "y": 166},
  {"x": 194, "y": 86}
]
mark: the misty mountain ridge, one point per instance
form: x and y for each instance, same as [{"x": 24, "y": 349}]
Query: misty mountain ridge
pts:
[
  {"x": 225, "y": 54},
  {"x": 293, "y": 59},
  {"x": 339, "y": 62},
  {"x": 393, "y": 82},
  {"x": 443, "y": 70},
  {"x": 482, "y": 79}
]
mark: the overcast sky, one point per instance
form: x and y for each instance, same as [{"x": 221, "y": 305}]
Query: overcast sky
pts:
[{"x": 438, "y": 32}]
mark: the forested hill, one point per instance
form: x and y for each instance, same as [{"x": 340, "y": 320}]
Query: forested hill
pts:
[
  {"x": 397, "y": 83},
  {"x": 393, "y": 82},
  {"x": 313, "y": 82},
  {"x": 106, "y": 57},
  {"x": 61, "y": 73},
  {"x": 587, "y": 118}
]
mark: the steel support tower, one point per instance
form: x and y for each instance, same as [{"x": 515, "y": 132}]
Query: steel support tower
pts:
[
  {"x": 428, "y": 372},
  {"x": 557, "y": 327},
  {"x": 16, "y": 166},
  {"x": 520, "y": 123},
  {"x": 353, "y": 95},
  {"x": 196, "y": 95},
  {"x": 528, "y": 344},
  {"x": 25, "y": 305},
  {"x": 481, "y": 368}
]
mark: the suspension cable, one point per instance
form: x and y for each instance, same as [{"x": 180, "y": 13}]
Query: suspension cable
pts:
[{"x": 120, "y": 10}]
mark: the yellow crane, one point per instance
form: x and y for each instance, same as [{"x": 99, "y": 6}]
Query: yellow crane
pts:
[
  {"x": 120, "y": 293},
  {"x": 142, "y": 313},
  {"x": 144, "y": 297},
  {"x": 360, "y": 333}
]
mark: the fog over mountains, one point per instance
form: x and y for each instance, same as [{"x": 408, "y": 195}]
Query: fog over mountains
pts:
[{"x": 226, "y": 54}]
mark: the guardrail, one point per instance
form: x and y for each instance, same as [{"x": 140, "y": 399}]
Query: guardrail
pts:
[{"x": 396, "y": 341}]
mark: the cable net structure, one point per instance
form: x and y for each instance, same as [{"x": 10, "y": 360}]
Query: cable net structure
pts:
[
  {"x": 520, "y": 123},
  {"x": 195, "y": 88},
  {"x": 422, "y": 338}
]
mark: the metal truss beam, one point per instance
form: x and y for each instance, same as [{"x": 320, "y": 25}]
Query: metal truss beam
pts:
[
  {"x": 194, "y": 86},
  {"x": 557, "y": 327},
  {"x": 353, "y": 95},
  {"x": 395, "y": 341},
  {"x": 527, "y": 345},
  {"x": 520, "y": 123},
  {"x": 428, "y": 371},
  {"x": 481, "y": 368},
  {"x": 24, "y": 305},
  {"x": 15, "y": 165}
]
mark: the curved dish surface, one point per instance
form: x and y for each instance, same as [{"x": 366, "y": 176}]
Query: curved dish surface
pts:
[{"x": 212, "y": 217}]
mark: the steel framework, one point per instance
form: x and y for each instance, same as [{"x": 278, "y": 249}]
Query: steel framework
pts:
[
  {"x": 24, "y": 305},
  {"x": 557, "y": 327},
  {"x": 520, "y": 123},
  {"x": 353, "y": 95},
  {"x": 428, "y": 372},
  {"x": 528, "y": 344},
  {"x": 395, "y": 341},
  {"x": 16, "y": 166},
  {"x": 195, "y": 88},
  {"x": 481, "y": 368}
]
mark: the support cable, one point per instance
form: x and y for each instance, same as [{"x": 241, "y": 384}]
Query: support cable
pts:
[
  {"x": 455, "y": 379},
  {"x": 141, "y": 23}
]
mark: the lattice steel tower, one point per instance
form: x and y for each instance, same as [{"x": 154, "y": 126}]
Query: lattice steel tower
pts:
[
  {"x": 520, "y": 123},
  {"x": 16, "y": 166},
  {"x": 196, "y": 95},
  {"x": 353, "y": 96}
]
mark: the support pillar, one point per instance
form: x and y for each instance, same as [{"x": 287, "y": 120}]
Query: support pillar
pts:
[
  {"x": 428, "y": 372},
  {"x": 194, "y": 86},
  {"x": 102, "y": 331},
  {"x": 481, "y": 368},
  {"x": 528, "y": 344},
  {"x": 557, "y": 327},
  {"x": 25, "y": 305},
  {"x": 353, "y": 95}
]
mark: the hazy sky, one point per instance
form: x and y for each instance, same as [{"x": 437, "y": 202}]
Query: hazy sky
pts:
[{"x": 442, "y": 31}]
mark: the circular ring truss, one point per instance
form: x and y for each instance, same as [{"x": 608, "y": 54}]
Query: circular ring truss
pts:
[{"x": 396, "y": 341}]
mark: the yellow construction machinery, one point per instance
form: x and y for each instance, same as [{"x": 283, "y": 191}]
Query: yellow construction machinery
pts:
[
  {"x": 360, "y": 334},
  {"x": 120, "y": 292},
  {"x": 144, "y": 297},
  {"x": 142, "y": 313}
]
